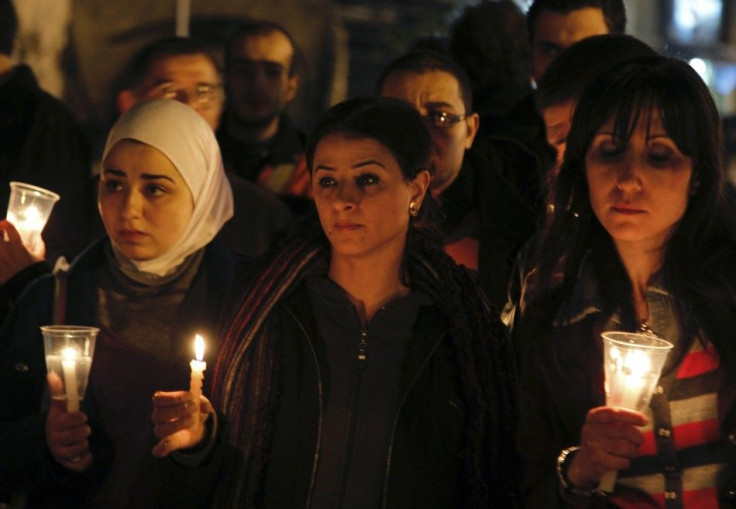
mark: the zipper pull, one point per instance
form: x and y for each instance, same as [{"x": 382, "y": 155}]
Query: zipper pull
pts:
[{"x": 362, "y": 347}]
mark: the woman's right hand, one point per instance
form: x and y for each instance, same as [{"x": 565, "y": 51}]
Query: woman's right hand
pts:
[
  {"x": 66, "y": 432},
  {"x": 178, "y": 421},
  {"x": 610, "y": 438}
]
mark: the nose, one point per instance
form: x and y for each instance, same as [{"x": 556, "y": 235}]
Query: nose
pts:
[
  {"x": 629, "y": 178},
  {"x": 347, "y": 196},
  {"x": 132, "y": 205}
]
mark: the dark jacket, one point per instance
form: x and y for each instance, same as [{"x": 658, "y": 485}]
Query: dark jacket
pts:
[
  {"x": 42, "y": 144},
  {"x": 424, "y": 466},
  {"x": 25, "y": 462},
  {"x": 506, "y": 220}
]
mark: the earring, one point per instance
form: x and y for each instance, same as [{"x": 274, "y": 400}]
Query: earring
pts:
[{"x": 413, "y": 209}]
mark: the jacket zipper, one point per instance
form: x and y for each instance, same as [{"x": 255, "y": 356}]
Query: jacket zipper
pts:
[
  {"x": 318, "y": 443},
  {"x": 361, "y": 357},
  {"x": 396, "y": 418}
]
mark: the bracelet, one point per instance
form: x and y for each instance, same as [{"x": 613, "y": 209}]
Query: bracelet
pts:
[{"x": 563, "y": 465}]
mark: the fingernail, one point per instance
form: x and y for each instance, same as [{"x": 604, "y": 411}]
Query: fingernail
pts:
[{"x": 155, "y": 395}]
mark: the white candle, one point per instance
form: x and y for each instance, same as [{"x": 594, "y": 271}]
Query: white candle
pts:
[
  {"x": 69, "y": 369},
  {"x": 198, "y": 366}
]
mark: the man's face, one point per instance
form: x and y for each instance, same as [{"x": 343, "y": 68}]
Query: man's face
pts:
[
  {"x": 434, "y": 93},
  {"x": 191, "y": 79},
  {"x": 258, "y": 81},
  {"x": 556, "y": 31}
]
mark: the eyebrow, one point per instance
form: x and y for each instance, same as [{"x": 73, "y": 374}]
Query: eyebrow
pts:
[
  {"x": 356, "y": 166},
  {"x": 439, "y": 104},
  {"x": 144, "y": 176}
]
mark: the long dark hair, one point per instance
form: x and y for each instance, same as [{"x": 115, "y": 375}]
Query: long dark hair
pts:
[{"x": 701, "y": 244}]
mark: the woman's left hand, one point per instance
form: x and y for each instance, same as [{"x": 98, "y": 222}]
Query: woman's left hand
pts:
[{"x": 178, "y": 422}]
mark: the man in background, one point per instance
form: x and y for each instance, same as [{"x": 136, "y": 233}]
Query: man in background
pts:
[
  {"x": 485, "y": 219},
  {"x": 258, "y": 140},
  {"x": 557, "y": 24}
]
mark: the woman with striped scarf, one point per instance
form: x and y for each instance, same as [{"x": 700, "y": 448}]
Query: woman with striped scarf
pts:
[{"x": 359, "y": 366}]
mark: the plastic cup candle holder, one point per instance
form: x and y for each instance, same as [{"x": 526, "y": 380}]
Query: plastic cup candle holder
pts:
[
  {"x": 69, "y": 351},
  {"x": 632, "y": 364},
  {"x": 29, "y": 209}
]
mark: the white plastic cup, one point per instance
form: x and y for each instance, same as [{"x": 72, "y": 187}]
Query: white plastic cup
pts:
[
  {"x": 29, "y": 209},
  {"x": 69, "y": 351},
  {"x": 632, "y": 365}
]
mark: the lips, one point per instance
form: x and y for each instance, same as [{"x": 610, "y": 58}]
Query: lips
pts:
[
  {"x": 130, "y": 236},
  {"x": 626, "y": 209},
  {"x": 346, "y": 226}
]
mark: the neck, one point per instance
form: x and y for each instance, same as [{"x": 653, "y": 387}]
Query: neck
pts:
[
  {"x": 252, "y": 133},
  {"x": 640, "y": 265},
  {"x": 5, "y": 64},
  {"x": 369, "y": 285}
]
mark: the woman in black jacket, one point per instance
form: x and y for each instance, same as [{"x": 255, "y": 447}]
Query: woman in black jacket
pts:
[{"x": 360, "y": 366}]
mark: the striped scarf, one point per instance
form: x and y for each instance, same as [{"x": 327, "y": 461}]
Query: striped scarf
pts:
[{"x": 244, "y": 371}]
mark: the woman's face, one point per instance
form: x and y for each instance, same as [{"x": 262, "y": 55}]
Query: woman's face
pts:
[
  {"x": 640, "y": 190},
  {"x": 144, "y": 202},
  {"x": 362, "y": 197}
]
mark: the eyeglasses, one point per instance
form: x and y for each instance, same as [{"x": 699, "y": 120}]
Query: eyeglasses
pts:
[
  {"x": 204, "y": 94},
  {"x": 442, "y": 119}
]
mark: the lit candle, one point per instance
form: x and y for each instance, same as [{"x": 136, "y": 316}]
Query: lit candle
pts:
[
  {"x": 69, "y": 369},
  {"x": 29, "y": 224},
  {"x": 198, "y": 366}
]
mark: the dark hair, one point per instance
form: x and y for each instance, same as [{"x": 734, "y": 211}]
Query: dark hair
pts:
[
  {"x": 424, "y": 61},
  {"x": 8, "y": 26},
  {"x": 139, "y": 65},
  {"x": 695, "y": 251},
  {"x": 614, "y": 12},
  {"x": 569, "y": 74},
  {"x": 255, "y": 28},
  {"x": 490, "y": 41}
]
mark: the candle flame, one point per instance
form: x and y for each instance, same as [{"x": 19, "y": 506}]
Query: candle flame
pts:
[
  {"x": 198, "y": 347},
  {"x": 69, "y": 354}
]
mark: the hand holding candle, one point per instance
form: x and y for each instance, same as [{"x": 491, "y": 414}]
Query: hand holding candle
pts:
[{"x": 179, "y": 417}]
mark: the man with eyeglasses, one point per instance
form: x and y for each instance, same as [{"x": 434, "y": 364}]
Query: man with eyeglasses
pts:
[
  {"x": 174, "y": 68},
  {"x": 258, "y": 140},
  {"x": 486, "y": 220}
]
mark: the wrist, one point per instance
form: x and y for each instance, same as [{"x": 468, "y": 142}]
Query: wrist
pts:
[{"x": 564, "y": 461}]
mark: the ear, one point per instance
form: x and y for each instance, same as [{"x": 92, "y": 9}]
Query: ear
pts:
[
  {"x": 292, "y": 86},
  {"x": 419, "y": 187},
  {"x": 125, "y": 100},
  {"x": 473, "y": 123}
]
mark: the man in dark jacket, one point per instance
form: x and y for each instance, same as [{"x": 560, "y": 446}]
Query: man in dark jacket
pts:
[{"x": 486, "y": 220}]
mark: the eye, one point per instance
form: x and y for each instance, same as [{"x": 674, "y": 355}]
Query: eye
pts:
[
  {"x": 438, "y": 118},
  {"x": 659, "y": 155},
  {"x": 366, "y": 179},
  {"x": 112, "y": 185},
  {"x": 611, "y": 148},
  {"x": 155, "y": 190},
  {"x": 326, "y": 182}
]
